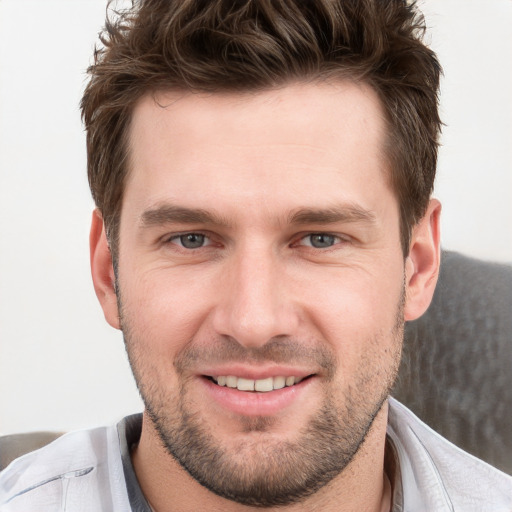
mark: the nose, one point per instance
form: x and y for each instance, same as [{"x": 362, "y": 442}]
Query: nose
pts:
[{"x": 254, "y": 304}]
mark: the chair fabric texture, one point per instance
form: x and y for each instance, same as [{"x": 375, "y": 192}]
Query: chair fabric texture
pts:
[
  {"x": 456, "y": 370},
  {"x": 13, "y": 446}
]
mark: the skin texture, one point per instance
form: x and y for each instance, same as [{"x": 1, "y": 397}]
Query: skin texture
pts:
[{"x": 254, "y": 294}]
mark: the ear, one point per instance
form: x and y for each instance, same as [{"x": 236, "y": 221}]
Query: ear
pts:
[
  {"x": 102, "y": 270},
  {"x": 422, "y": 263}
]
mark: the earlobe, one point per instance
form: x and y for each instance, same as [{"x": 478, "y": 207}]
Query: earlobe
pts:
[
  {"x": 102, "y": 270},
  {"x": 422, "y": 263}
]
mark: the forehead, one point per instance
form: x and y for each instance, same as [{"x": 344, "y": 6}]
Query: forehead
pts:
[
  {"x": 299, "y": 108},
  {"x": 268, "y": 147}
]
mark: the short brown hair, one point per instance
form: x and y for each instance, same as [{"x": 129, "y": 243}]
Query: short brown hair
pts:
[{"x": 251, "y": 45}]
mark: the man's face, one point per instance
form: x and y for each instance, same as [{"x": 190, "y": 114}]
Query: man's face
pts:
[{"x": 260, "y": 247}]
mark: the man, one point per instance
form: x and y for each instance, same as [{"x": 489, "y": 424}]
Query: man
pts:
[{"x": 262, "y": 173}]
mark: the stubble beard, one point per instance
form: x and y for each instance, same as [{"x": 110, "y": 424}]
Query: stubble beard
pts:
[{"x": 261, "y": 471}]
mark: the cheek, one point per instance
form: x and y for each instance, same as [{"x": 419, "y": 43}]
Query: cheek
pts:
[
  {"x": 354, "y": 296},
  {"x": 354, "y": 308},
  {"x": 164, "y": 309}
]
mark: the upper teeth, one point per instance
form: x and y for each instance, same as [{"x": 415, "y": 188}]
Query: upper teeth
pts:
[{"x": 262, "y": 385}]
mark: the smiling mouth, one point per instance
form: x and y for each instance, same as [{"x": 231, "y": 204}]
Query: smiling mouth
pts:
[{"x": 259, "y": 385}]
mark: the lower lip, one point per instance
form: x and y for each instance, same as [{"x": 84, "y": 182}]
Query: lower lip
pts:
[{"x": 249, "y": 403}]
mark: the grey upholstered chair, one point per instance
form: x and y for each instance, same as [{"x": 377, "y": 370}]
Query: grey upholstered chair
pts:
[
  {"x": 456, "y": 373},
  {"x": 15, "y": 445}
]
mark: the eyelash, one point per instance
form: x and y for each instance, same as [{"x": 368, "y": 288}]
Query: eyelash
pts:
[
  {"x": 337, "y": 239},
  {"x": 177, "y": 237}
]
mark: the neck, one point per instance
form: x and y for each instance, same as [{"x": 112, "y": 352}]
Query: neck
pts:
[{"x": 363, "y": 485}]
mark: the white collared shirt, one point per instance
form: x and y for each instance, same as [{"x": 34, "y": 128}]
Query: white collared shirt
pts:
[{"x": 91, "y": 471}]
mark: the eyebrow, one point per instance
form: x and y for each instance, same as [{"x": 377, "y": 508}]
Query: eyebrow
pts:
[
  {"x": 167, "y": 213},
  {"x": 343, "y": 213}
]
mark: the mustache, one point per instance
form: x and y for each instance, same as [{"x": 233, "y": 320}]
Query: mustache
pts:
[{"x": 277, "y": 350}]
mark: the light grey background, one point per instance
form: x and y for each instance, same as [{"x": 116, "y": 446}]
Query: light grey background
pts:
[{"x": 61, "y": 366}]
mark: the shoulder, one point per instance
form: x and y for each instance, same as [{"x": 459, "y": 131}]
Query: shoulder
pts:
[
  {"x": 82, "y": 469},
  {"x": 438, "y": 474}
]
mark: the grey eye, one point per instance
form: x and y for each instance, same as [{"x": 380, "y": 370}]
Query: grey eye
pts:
[
  {"x": 321, "y": 240},
  {"x": 192, "y": 240}
]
